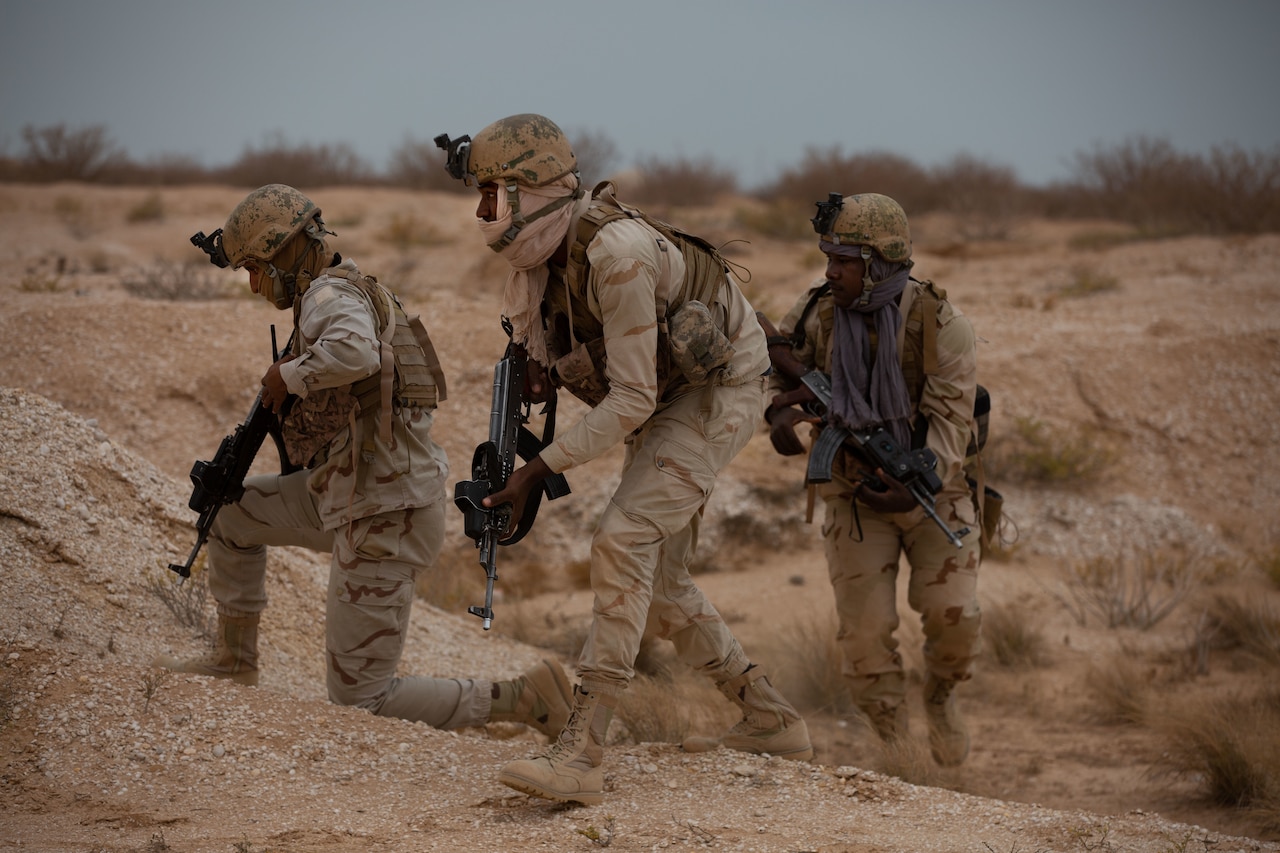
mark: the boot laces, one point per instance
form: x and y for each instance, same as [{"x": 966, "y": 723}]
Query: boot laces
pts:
[{"x": 568, "y": 740}]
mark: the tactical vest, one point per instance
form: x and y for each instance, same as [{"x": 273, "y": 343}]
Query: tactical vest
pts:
[
  {"x": 919, "y": 352},
  {"x": 410, "y": 376},
  {"x": 919, "y": 361},
  {"x": 577, "y": 336}
]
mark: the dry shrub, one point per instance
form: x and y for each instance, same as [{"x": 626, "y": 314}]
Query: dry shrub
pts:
[
  {"x": 188, "y": 602},
  {"x": 827, "y": 170},
  {"x": 1118, "y": 690},
  {"x": 1041, "y": 453},
  {"x": 1148, "y": 183},
  {"x": 682, "y": 182},
  {"x": 419, "y": 165},
  {"x": 1086, "y": 281},
  {"x": 908, "y": 759},
  {"x": 73, "y": 214},
  {"x": 1229, "y": 745},
  {"x": 784, "y": 219},
  {"x": 149, "y": 209},
  {"x": 177, "y": 282},
  {"x": 986, "y": 198},
  {"x": 1134, "y": 591},
  {"x": 406, "y": 231},
  {"x": 46, "y": 275},
  {"x": 277, "y": 161},
  {"x": 1013, "y": 636},
  {"x": 59, "y": 153}
]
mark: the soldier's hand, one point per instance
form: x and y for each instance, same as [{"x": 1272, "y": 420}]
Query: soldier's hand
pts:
[
  {"x": 516, "y": 492},
  {"x": 275, "y": 392},
  {"x": 782, "y": 430},
  {"x": 537, "y": 382},
  {"x": 895, "y": 498}
]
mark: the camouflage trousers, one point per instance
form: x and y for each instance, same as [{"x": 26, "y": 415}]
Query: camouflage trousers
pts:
[
  {"x": 375, "y": 561},
  {"x": 942, "y": 589},
  {"x": 648, "y": 534}
]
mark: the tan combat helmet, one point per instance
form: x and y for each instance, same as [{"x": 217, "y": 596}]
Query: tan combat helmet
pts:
[
  {"x": 265, "y": 222},
  {"x": 866, "y": 219},
  {"x": 527, "y": 149}
]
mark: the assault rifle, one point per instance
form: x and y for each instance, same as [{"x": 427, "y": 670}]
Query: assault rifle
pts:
[
  {"x": 493, "y": 463},
  {"x": 221, "y": 481},
  {"x": 914, "y": 469}
]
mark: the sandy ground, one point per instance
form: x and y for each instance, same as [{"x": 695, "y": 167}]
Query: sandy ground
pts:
[{"x": 110, "y": 387}]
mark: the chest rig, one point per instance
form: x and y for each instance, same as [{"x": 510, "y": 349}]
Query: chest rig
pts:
[
  {"x": 576, "y": 336},
  {"x": 410, "y": 376}
]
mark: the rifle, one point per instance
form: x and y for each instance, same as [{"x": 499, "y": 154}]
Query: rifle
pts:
[
  {"x": 493, "y": 463},
  {"x": 915, "y": 469},
  {"x": 221, "y": 481}
]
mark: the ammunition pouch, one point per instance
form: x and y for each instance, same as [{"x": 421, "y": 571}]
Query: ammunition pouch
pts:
[
  {"x": 313, "y": 422},
  {"x": 697, "y": 345}
]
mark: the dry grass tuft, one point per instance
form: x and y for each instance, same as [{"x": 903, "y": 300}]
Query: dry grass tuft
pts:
[
  {"x": 1251, "y": 627},
  {"x": 1118, "y": 690},
  {"x": 1228, "y": 744},
  {"x": 908, "y": 759},
  {"x": 1013, "y": 637},
  {"x": 662, "y": 710},
  {"x": 807, "y": 666}
]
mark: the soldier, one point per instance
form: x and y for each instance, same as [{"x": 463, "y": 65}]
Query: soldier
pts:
[
  {"x": 370, "y": 489},
  {"x": 900, "y": 356},
  {"x": 645, "y": 325}
]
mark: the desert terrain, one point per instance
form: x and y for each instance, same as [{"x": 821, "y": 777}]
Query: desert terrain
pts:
[{"x": 1152, "y": 366}]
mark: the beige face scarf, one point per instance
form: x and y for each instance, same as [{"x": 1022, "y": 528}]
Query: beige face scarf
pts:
[{"x": 528, "y": 254}]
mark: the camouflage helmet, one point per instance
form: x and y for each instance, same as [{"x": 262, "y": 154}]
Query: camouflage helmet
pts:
[
  {"x": 527, "y": 148},
  {"x": 265, "y": 222},
  {"x": 866, "y": 219}
]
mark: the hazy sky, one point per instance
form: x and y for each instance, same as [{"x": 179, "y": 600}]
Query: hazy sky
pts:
[{"x": 1021, "y": 83}]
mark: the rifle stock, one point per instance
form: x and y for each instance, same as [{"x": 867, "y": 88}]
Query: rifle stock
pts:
[
  {"x": 493, "y": 463},
  {"x": 915, "y": 469},
  {"x": 220, "y": 481}
]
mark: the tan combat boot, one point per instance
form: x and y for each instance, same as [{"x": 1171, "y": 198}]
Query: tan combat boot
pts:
[
  {"x": 890, "y": 722},
  {"x": 948, "y": 736},
  {"x": 235, "y": 657},
  {"x": 570, "y": 770},
  {"x": 769, "y": 724},
  {"x": 542, "y": 698}
]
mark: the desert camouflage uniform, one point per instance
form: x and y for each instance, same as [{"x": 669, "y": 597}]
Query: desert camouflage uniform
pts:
[
  {"x": 382, "y": 519},
  {"x": 864, "y": 571},
  {"x": 676, "y": 446}
]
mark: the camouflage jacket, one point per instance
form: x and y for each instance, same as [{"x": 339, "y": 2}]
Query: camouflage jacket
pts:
[
  {"x": 338, "y": 347},
  {"x": 629, "y": 265}
]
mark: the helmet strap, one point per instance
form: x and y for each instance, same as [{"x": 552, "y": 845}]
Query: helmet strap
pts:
[
  {"x": 518, "y": 219},
  {"x": 867, "y": 283}
]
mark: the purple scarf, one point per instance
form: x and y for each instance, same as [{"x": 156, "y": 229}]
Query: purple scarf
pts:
[{"x": 865, "y": 395}]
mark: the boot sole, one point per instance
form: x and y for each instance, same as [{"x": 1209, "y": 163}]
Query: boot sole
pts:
[
  {"x": 248, "y": 677},
  {"x": 533, "y": 789}
]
